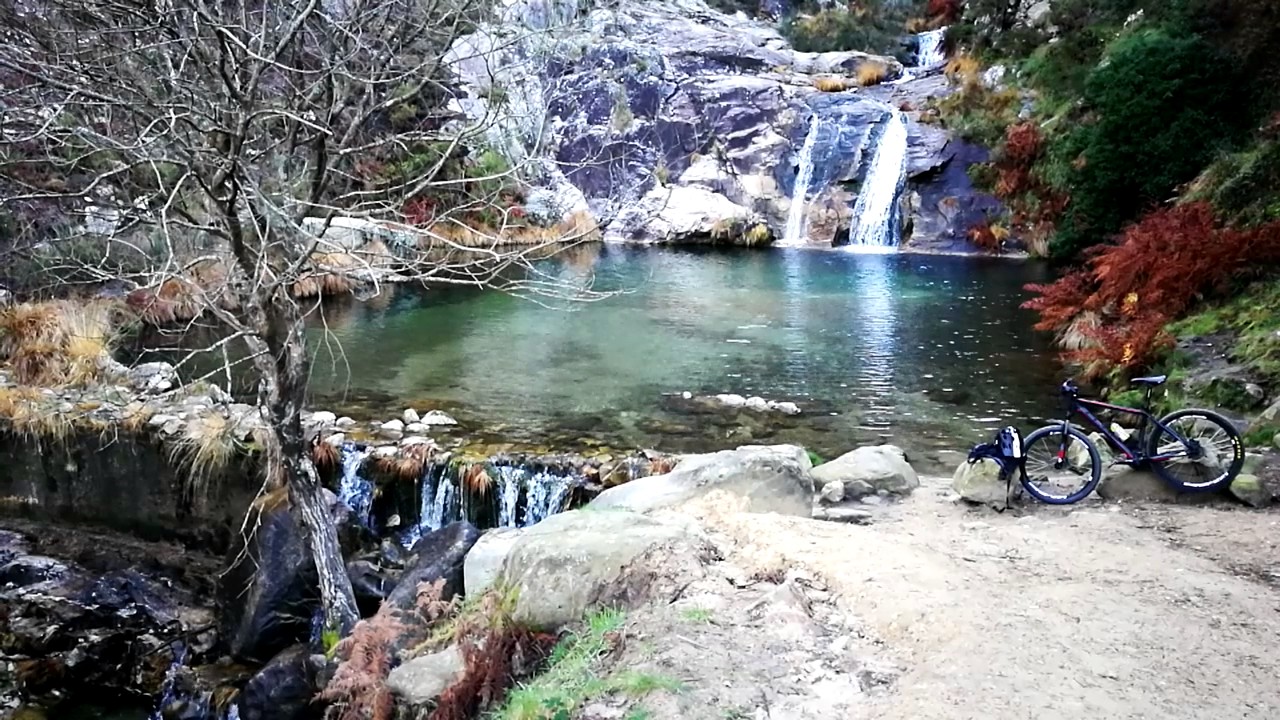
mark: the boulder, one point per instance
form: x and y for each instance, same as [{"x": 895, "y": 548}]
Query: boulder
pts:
[
  {"x": 883, "y": 467},
  {"x": 483, "y": 563},
  {"x": 436, "y": 417},
  {"x": 422, "y": 679},
  {"x": 440, "y": 555},
  {"x": 679, "y": 214},
  {"x": 269, "y": 593},
  {"x": 980, "y": 483},
  {"x": 832, "y": 492},
  {"x": 284, "y": 688},
  {"x": 1120, "y": 482},
  {"x": 773, "y": 478},
  {"x": 579, "y": 560},
  {"x": 370, "y": 584},
  {"x": 1250, "y": 490}
]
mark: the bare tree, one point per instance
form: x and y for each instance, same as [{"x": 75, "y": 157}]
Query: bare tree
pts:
[{"x": 218, "y": 140}]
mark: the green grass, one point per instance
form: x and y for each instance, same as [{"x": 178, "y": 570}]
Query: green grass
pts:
[
  {"x": 1252, "y": 317},
  {"x": 697, "y": 615},
  {"x": 573, "y": 676}
]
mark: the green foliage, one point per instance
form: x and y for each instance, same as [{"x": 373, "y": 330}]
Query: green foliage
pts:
[
  {"x": 1244, "y": 186},
  {"x": 1162, "y": 107},
  {"x": 876, "y": 27},
  {"x": 815, "y": 458},
  {"x": 572, "y": 676},
  {"x": 1261, "y": 435},
  {"x": 1252, "y": 318}
]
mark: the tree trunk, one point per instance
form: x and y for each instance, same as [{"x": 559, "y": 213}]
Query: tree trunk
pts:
[{"x": 308, "y": 503}]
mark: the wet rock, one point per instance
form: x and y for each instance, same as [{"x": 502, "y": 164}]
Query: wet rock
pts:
[
  {"x": 422, "y": 679},
  {"x": 675, "y": 214},
  {"x": 1250, "y": 490},
  {"x": 436, "y": 417},
  {"x": 883, "y": 467},
  {"x": 484, "y": 561},
  {"x": 370, "y": 583},
  {"x": 284, "y": 688},
  {"x": 980, "y": 483},
  {"x": 440, "y": 555},
  {"x": 269, "y": 593},
  {"x": 582, "y": 559},
  {"x": 66, "y": 629},
  {"x": 774, "y": 478}
]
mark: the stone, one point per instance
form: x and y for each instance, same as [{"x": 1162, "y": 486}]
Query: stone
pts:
[
  {"x": 415, "y": 427},
  {"x": 323, "y": 418},
  {"x": 1121, "y": 482},
  {"x": 773, "y": 478},
  {"x": 980, "y": 483},
  {"x": 336, "y": 439},
  {"x": 283, "y": 689},
  {"x": 440, "y": 555},
  {"x": 153, "y": 377},
  {"x": 344, "y": 422},
  {"x": 676, "y": 214},
  {"x": 1250, "y": 490},
  {"x": 580, "y": 560},
  {"x": 832, "y": 492},
  {"x": 421, "y": 680},
  {"x": 483, "y": 563},
  {"x": 855, "y": 516},
  {"x": 1275, "y": 441},
  {"x": 436, "y": 417},
  {"x": 734, "y": 401},
  {"x": 786, "y": 408},
  {"x": 410, "y": 416},
  {"x": 392, "y": 426},
  {"x": 370, "y": 583},
  {"x": 883, "y": 467}
]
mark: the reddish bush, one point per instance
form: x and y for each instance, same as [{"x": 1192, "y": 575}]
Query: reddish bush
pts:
[
  {"x": 358, "y": 687},
  {"x": 419, "y": 212},
  {"x": 1161, "y": 265},
  {"x": 945, "y": 10},
  {"x": 492, "y": 663},
  {"x": 987, "y": 236}
]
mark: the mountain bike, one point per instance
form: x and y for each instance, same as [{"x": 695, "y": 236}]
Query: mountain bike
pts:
[{"x": 1193, "y": 450}]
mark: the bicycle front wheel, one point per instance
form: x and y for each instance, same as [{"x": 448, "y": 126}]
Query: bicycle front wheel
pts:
[
  {"x": 1061, "y": 467},
  {"x": 1206, "y": 452}
]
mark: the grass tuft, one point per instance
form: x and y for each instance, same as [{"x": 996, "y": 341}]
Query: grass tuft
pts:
[
  {"x": 871, "y": 73},
  {"x": 58, "y": 343},
  {"x": 572, "y": 676},
  {"x": 832, "y": 84},
  {"x": 206, "y": 448}
]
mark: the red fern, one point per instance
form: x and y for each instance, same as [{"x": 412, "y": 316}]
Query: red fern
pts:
[
  {"x": 946, "y": 10},
  {"x": 358, "y": 687},
  {"x": 493, "y": 662},
  {"x": 1160, "y": 267}
]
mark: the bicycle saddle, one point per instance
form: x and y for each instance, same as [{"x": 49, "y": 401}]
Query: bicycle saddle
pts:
[{"x": 1153, "y": 380}]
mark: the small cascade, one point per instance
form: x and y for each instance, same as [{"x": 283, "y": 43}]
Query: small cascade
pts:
[
  {"x": 930, "y": 53},
  {"x": 169, "y": 686},
  {"x": 441, "y": 512},
  {"x": 510, "y": 480},
  {"x": 547, "y": 494},
  {"x": 875, "y": 214},
  {"x": 354, "y": 490},
  {"x": 794, "y": 234}
]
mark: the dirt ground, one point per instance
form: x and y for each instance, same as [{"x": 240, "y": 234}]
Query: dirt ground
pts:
[{"x": 937, "y": 610}]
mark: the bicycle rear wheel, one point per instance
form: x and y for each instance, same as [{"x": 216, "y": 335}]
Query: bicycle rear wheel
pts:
[
  {"x": 1212, "y": 457},
  {"x": 1061, "y": 467}
]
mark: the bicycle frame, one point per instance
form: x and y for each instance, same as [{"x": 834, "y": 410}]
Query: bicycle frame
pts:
[{"x": 1131, "y": 457}]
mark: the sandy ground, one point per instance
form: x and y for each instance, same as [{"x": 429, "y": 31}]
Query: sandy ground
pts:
[{"x": 940, "y": 611}]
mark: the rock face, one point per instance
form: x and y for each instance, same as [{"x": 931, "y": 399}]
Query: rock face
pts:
[
  {"x": 666, "y": 119},
  {"x": 773, "y": 478},
  {"x": 879, "y": 469},
  {"x": 582, "y": 559}
]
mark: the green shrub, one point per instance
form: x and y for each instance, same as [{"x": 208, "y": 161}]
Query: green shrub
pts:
[
  {"x": 876, "y": 29},
  {"x": 1161, "y": 108}
]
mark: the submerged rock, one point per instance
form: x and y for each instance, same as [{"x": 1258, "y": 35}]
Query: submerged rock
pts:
[
  {"x": 573, "y": 562},
  {"x": 440, "y": 555},
  {"x": 884, "y": 468},
  {"x": 774, "y": 478}
]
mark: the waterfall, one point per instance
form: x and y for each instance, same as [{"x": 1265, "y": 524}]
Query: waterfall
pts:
[
  {"x": 929, "y": 51},
  {"x": 441, "y": 511},
  {"x": 353, "y": 490},
  {"x": 799, "y": 193},
  {"x": 547, "y": 493},
  {"x": 510, "y": 480},
  {"x": 167, "y": 689},
  {"x": 876, "y": 211}
]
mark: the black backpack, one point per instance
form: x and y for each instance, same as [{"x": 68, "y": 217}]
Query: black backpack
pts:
[{"x": 1006, "y": 450}]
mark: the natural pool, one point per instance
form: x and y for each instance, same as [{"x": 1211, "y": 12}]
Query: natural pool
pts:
[{"x": 931, "y": 352}]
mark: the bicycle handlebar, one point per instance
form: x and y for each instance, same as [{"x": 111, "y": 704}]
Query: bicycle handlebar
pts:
[{"x": 1070, "y": 388}]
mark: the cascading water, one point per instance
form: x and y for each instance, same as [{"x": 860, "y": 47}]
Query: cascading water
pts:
[
  {"x": 167, "y": 694},
  {"x": 353, "y": 490},
  {"x": 547, "y": 493},
  {"x": 510, "y": 480},
  {"x": 929, "y": 50},
  {"x": 794, "y": 234},
  {"x": 875, "y": 214},
  {"x": 441, "y": 511}
]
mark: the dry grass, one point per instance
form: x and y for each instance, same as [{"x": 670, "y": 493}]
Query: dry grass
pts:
[
  {"x": 758, "y": 234},
  {"x": 205, "y": 449},
  {"x": 407, "y": 464},
  {"x": 476, "y": 480},
  {"x": 965, "y": 71},
  {"x": 326, "y": 456},
  {"x": 832, "y": 83},
  {"x": 871, "y": 73},
  {"x": 328, "y": 274},
  {"x": 135, "y": 417},
  {"x": 579, "y": 226},
  {"x": 30, "y": 415},
  {"x": 58, "y": 343}
]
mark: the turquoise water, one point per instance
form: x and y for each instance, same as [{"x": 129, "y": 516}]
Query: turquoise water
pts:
[{"x": 930, "y": 352}]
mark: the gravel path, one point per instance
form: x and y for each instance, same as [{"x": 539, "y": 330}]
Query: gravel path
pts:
[{"x": 1086, "y": 613}]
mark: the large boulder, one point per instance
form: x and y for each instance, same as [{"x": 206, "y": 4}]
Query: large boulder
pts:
[
  {"x": 1250, "y": 490},
  {"x": 878, "y": 469},
  {"x": 440, "y": 555},
  {"x": 980, "y": 482},
  {"x": 483, "y": 563},
  {"x": 284, "y": 688},
  {"x": 579, "y": 560},
  {"x": 773, "y": 478},
  {"x": 270, "y": 592},
  {"x": 682, "y": 214}
]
